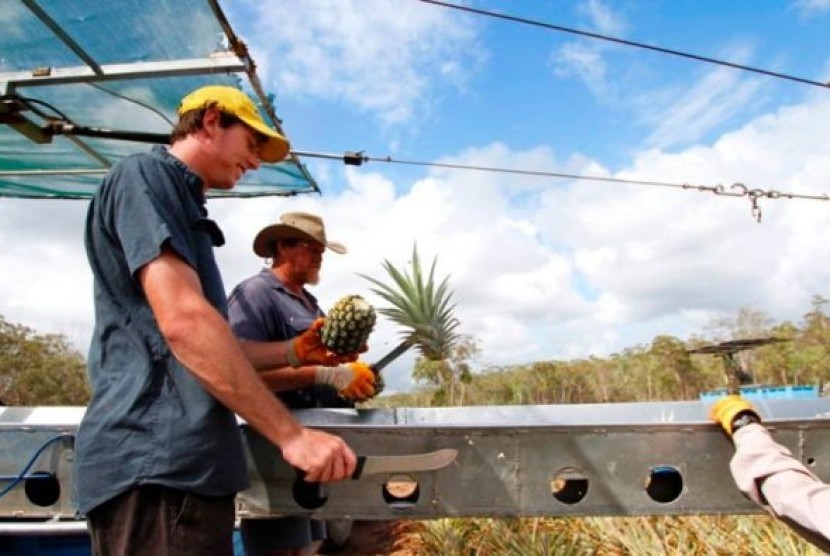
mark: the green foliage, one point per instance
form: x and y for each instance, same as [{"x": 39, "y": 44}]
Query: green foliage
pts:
[
  {"x": 449, "y": 376},
  {"x": 40, "y": 369},
  {"x": 662, "y": 371},
  {"x": 422, "y": 308},
  {"x": 746, "y": 324}
]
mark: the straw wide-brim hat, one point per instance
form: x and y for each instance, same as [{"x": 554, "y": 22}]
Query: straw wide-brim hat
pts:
[{"x": 299, "y": 225}]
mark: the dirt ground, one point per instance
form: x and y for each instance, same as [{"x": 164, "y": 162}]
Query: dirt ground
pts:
[{"x": 371, "y": 538}]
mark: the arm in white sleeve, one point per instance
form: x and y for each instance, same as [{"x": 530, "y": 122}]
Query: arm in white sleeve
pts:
[{"x": 768, "y": 474}]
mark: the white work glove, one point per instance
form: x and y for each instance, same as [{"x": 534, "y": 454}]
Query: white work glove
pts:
[{"x": 353, "y": 381}]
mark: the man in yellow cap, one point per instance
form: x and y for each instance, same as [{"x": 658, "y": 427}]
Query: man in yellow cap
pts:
[{"x": 158, "y": 454}]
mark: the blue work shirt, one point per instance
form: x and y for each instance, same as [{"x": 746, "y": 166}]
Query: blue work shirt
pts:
[
  {"x": 262, "y": 309},
  {"x": 150, "y": 421}
]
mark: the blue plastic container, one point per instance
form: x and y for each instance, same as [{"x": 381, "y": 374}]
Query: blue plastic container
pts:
[
  {"x": 60, "y": 545},
  {"x": 67, "y": 545},
  {"x": 765, "y": 393}
]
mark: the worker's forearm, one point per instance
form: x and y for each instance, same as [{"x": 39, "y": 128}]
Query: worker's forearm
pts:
[
  {"x": 205, "y": 345},
  {"x": 768, "y": 473},
  {"x": 266, "y": 355},
  {"x": 288, "y": 378},
  {"x": 201, "y": 340}
]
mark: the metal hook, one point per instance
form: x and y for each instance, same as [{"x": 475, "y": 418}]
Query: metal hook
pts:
[
  {"x": 756, "y": 209},
  {"x": 743, "y": 189}
]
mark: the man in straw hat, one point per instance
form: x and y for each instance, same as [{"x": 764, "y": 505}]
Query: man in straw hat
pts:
[
  {"x": 274, "y": 305},
  {"x": 158, "y": 454}
]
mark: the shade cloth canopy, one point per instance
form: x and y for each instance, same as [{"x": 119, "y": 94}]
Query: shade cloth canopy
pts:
[{"x": 75, "y": 75}]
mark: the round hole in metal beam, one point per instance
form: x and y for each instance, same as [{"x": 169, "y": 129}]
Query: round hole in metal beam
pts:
[
  {"x": 664, "y": 483},
  {"x": 42, "y": 488},
  {"x": 401, "y": 492},
  {"x": 309, "y": 495},
  {"x": 569, "y": 485}
]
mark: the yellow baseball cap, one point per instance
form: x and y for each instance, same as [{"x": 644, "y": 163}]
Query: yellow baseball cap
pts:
[{"x": 234, "y": 101}]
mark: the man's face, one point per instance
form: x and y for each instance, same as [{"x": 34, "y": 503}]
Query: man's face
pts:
[
  {"x": 234, "y": 151},
  {"x": 304, "y": 261}
]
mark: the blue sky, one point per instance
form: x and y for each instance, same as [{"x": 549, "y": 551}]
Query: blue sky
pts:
[
  {"x": 472, "y": 80},
  {"x": 542, "y": 268}
]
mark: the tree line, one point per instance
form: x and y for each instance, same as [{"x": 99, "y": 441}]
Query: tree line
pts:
[
  {"x": 40, "y": 369},
  {"x": 662, "y": 370},
  {"x": 44, "y": 369}
]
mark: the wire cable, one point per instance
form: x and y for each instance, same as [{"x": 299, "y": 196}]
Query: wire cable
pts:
[
  {"x": 20, "y": 477},
  {"x": 31, "y": 104},
  {"x": 617, "y": 40},
  {"x": 358, "y": 158},
  {"x": 134, "y": 101}
]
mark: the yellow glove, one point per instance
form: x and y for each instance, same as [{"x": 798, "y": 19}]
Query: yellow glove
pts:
[
  {"x": 308, "y": 349},
  {"x": 353, "y": 381},
  {"x": 728, "y": 408}
]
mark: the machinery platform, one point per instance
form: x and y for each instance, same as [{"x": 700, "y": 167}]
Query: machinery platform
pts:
[{"x": 654, "y": 458}]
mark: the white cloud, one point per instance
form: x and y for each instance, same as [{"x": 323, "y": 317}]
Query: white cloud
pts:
[
  {"x": 584, "y": 61},
  {"x": 652, "y": 253},
  {"x": 810, "y": 8},
  {"x": 383, "y": 64},
  {"x": 45, "y": 283},
  {"x": 673, "y": 114},
  {"x": 584, "y": 58},
  {"x": 540, "y": 268},
  {"x": 708, "y": 103},
  {"x": 603, "y": 18}
]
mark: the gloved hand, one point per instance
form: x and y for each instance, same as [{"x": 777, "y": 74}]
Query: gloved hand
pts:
[
  {"x": 353, "y": 381},
  {"x": 308, "y": 349},
  {"x": 728, "y": 408}
]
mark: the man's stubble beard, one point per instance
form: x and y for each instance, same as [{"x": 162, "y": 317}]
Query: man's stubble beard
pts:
[{"x": 313, "y": 278}]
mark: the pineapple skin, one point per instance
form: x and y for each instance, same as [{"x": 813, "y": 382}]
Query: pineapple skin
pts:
[{"x": 348, "y": 325}]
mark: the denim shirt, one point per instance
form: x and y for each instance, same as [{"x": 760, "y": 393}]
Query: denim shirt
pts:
[{"x": 150, "y": 421}]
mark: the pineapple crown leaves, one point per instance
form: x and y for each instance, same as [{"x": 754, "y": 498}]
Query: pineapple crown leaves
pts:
[{"x": 426, "y": 311}]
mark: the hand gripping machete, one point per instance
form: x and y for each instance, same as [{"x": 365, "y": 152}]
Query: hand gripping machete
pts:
[{"x": 313, "y": 495}]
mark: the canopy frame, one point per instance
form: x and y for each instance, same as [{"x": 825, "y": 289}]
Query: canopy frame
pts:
[{"x": 25, "y": 115}]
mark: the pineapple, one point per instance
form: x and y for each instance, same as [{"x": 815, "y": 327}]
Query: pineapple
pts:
[
  {"x": 424, "y": 310},
  {"x": 348, "y": 325}
]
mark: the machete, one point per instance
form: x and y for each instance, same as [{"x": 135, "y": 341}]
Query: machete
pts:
[
  {"x": 313, "y": 495},
  {"x": 409, "y": 463},
  {"x": 377, "y": 367},
  {"x": 399, "y": 350}
]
